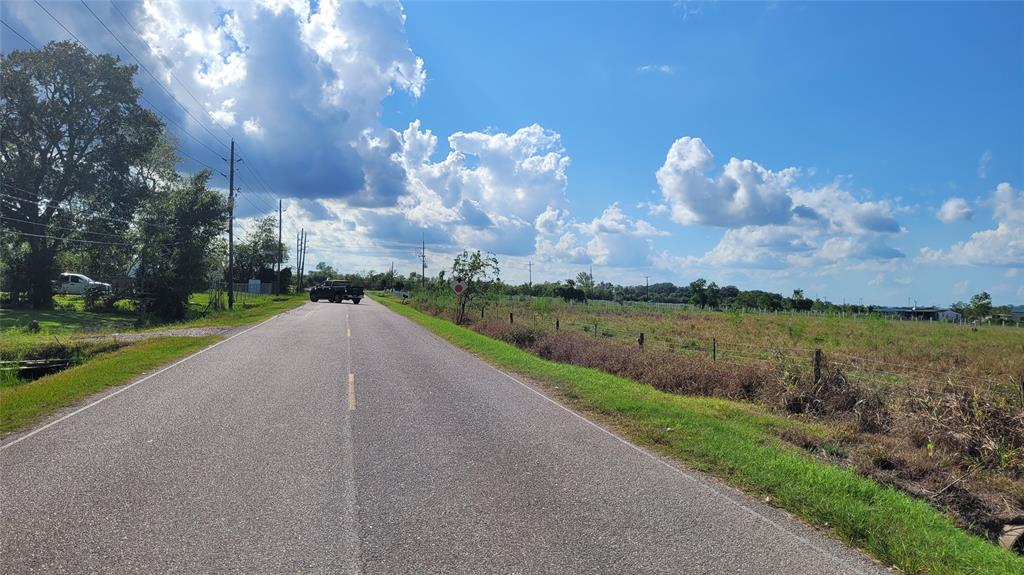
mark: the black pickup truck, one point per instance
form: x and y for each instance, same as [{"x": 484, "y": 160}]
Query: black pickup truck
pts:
[{"x": 336, "y": 291}]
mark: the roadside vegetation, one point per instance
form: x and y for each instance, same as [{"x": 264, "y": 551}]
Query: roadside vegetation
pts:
[
  {"x": 70, "y": 353},
  {"x": 795, "y": 460},
  {"x": 935, "y": 409},
  {"x": 22, "y": 404}
]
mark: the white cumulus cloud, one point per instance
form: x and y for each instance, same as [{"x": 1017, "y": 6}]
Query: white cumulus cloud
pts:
[
  {"x": 769, "y": 221},
  {"x": 954, "y": 210},
  {"x": 1002, "y": 246},
  {"x": 745, "y": 193}
]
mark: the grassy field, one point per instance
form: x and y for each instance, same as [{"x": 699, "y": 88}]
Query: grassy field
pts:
[
  {"x": 877, "y": 348},
  {"x": 742, "y": 443},
  {"x": 69, "y": 318},
  {"x": 249, "y": 309},
  {"x": 22, "y": 404}
]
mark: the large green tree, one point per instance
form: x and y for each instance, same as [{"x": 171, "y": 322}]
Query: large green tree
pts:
[
  {"x": 74, "y": 137},
  {"x": 181, "y": 225},
  {"x": 321, "y": 273},
  {"x": 980, "y": 306},
  {"x": 256, "y": 257}
]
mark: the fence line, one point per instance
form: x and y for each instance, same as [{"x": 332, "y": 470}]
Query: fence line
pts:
[{"x": 725, "y": 350}]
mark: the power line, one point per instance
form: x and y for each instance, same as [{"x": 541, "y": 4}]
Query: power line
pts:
[
  {"x": 201, "y": 163},
  {"x": 170, "y": 71},
  {"x": 18, "y": 34},
  {"x": 61, "y": 24},
  {"x": 143, "y": 97},
  {"x": 151, "y": 75},
  {"x": 180, "y": 127},
  {"x": 89, "y": 241},
  {"x": 261, "y": 204},
  {"x": 80, "y": 212},
  {"x": 69, "y": 239},
  {"x": 247, "y": 200},
  {"x": 60, "y": 227},
  {"x": 252, "y": 169}
]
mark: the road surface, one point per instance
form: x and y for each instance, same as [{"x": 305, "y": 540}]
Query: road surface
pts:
[{"x": 342, "y": 438}]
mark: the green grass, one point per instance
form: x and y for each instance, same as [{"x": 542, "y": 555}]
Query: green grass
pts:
[
  {"x": 64, "y": 321},
  {"x": 919, "y": 352},
  {"x": 249, "y": 310},
  {"x": 22, "y": 404},
  {"x": 70, "y": 319},
  {"x": 738, "y": 442},
  {"x": 69, "y": 331}
]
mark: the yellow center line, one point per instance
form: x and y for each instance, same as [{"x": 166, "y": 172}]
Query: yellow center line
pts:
[{"x": 351, "y": 392}]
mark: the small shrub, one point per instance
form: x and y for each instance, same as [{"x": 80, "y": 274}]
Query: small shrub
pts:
[
  {"x": 101, "y": 300},
  {"x": 665, "y": 370},
  {"x": 64, "y": 304},
  {"x": 988, "y": 433},
  {"x": 520, "y": 335}
]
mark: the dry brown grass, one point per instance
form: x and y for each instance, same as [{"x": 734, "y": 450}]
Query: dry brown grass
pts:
[{"x": 949, "y": 432}]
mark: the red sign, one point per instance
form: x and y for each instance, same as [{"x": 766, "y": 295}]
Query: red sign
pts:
[{"x": 458, "y": 288}]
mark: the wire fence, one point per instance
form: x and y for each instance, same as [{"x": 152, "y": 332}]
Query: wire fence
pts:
[{"x": 883, "y": 375}]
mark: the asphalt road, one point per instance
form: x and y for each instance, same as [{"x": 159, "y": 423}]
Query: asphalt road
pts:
[{"x": 264, "y": 455}]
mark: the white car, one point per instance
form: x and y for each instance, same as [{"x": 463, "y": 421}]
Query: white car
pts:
[{"x": 78, "y": 284}]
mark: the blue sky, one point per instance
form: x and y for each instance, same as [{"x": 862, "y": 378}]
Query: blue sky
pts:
[{"x": 879, "y": 151}]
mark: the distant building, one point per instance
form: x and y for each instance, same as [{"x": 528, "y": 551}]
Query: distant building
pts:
[
  {"x": 920, "y": 313},
  {"x": 1017, "y": 312}
]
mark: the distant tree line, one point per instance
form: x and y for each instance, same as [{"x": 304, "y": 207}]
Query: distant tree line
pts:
[{"x": 700, "y": 293}]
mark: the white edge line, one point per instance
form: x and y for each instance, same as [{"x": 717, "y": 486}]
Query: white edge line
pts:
[
  {"x": 646, "y": 453},
  {"x": 688, "y": 476},
  {"x": 129, "y": 386}
]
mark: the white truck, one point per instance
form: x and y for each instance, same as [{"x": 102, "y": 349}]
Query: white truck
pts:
[{"x": 78, "y": 284}]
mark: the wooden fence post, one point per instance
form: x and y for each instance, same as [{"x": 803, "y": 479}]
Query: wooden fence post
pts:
[
  {"x": 817, "y": 366},
  {"x": 714, "y": 349},
  {"x": 556, "y": 325},
  {"x": 640, "y": 340},
  {"x": 510, "y": 319}
]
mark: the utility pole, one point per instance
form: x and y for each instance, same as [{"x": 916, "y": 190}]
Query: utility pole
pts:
[
  {"x": 531, "y": 274},
  {"x": 280, "y": 247},
  {"x": 231, "y": 228},
  {"x": 423, "y": 261},
  {"x": 391, "y": 278},
  {"x": 302, "y": 256},
  {"x": 647, "y": 293}
]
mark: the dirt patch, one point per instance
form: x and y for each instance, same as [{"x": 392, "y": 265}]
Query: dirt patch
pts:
[{"x": 133, "y": 337}]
